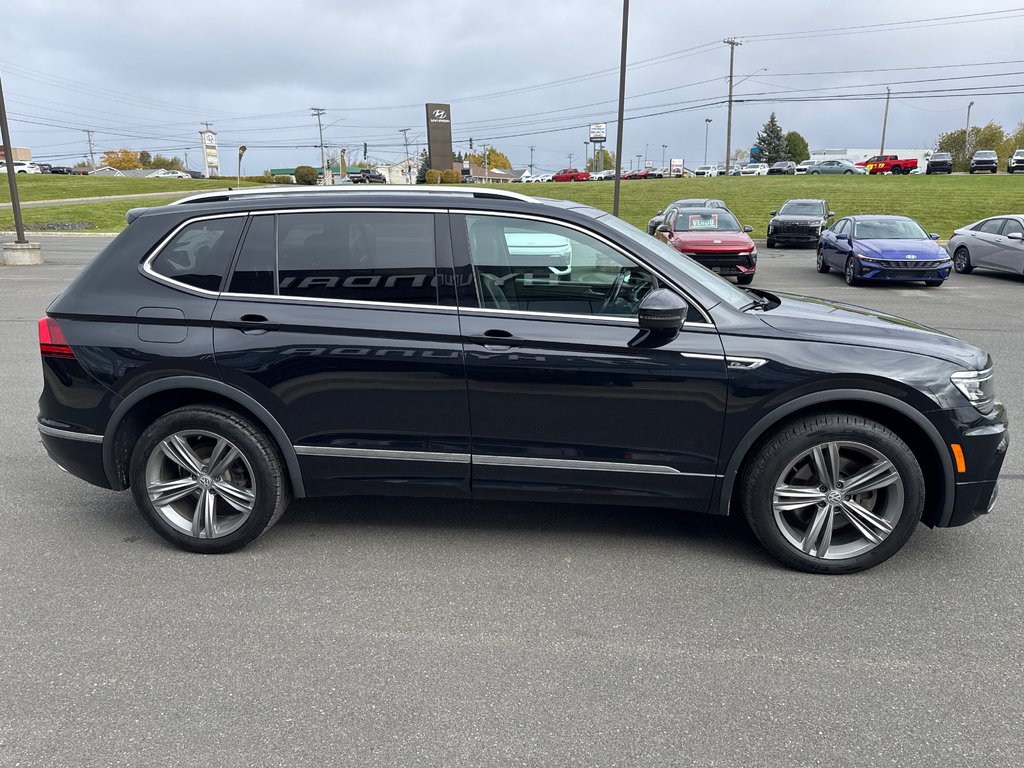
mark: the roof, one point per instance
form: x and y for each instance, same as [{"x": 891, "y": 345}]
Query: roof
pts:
[{"x": 859, "y": 216}]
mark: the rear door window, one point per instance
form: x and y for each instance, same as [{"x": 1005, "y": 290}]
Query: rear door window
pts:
[
  {"x": 199, "y": 254},
  {"x": 990, "y": 227}
]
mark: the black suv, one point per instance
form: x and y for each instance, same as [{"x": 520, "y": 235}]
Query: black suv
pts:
[
  {"x": 940, "y": 162},
  {"x": 235, "y": 350},
  {"x": 798, "y": 221}
]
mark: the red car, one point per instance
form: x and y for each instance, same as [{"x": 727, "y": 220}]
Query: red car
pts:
[
  {"x": 571, "y": 174},
  {"x": 712, "y": 237}
]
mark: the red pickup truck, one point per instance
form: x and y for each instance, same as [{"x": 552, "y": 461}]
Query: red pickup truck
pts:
[
  {"x": 883, "y": 163},
  {"x": 571, "y": 174}
]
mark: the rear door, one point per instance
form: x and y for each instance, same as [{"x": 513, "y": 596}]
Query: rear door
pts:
[
  {"x": 985, "y": 243},
  {"x": 562, "y": 398},
  {"x": 1009, "y": 252},
  {"x": 342, "y": 325}
]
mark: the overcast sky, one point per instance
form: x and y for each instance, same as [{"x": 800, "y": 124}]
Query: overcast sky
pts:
[{"x": 517, "y": 73}]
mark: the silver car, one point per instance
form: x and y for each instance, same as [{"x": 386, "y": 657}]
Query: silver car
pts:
[
  {"x": 993, "y": 243},
  {"x": 836, "y": 166}
]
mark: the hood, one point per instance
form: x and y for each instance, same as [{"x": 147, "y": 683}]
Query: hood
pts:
[
  {"x": 820, "y": 320},
  {"x": 717, "y": 241},
  {"x": 799, "y": 218},
  {"x": 900, "y": 250}
]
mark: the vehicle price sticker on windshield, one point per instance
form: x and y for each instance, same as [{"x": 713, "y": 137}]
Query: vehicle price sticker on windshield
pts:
[{"x": 704, "y": 222}]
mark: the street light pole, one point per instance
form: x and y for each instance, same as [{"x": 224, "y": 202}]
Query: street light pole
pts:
[
  {"x": 586, "y": 154},
  {"x": 707, "y": 125},
  {"x": 317, "y": 112},
  {"x": 663, "y": 148}
]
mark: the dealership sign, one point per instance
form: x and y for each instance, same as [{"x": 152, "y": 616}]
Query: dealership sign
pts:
[
  {"x": 598, "y": 132},
  {"x": 439, "y": 136},
  {"x": 675, "y": 166},
  {"x": 210, "y": 159}
]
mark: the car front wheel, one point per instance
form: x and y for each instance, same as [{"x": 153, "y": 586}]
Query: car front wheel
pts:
[
  {"x": 833, "y": 493},
  {"x": 744, "y": 279},
  {"x": 851, "y": 272},
  {"x": 962, "y": 261},
  {"x": 207, "y": 480},
  {"x": 819, "y": 262}
]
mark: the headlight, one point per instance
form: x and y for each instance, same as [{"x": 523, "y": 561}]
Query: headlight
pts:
[
  {"x": 977, "y": 386},
  {"x": 862, "y": 256}
]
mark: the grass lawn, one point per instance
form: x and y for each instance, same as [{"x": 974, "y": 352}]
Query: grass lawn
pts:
[
  {"x": 939, "y": 203},
  {"x": 100, "y": 217},
  {"x": 45, "y": 186}
]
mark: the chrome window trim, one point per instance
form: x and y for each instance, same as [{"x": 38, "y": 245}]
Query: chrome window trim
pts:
[
  {"x": 374, "y": 453},
  {"x": 152, "y": 274},
  {"x": 597, "y": 236},
  {"x": 67, "y": 434},
  {"x": 702, "y": 356}
]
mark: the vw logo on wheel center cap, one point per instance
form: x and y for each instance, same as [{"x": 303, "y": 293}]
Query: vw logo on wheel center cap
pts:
[
  {"x": 205, "y": 481},
  {"x": 834, "y": 497}
]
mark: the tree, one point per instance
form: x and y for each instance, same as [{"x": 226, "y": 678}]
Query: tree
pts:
[
  {"x": 796, "y": 147},
  {"x": 771, "y": 141},
  {"x": 306, "y": 174},
  {"x": 609, "y": 161},
  {"x": 421, "y": 173},
  {"x": 145, "y": 159},
  {"x": 495, "y": 159},
  {"x": 122, "y": 159},
  {"x": 990, "y": 136},
  {"x": 169, "y": 163}
]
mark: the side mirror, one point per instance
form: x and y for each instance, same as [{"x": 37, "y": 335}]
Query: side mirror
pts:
[
  {"x": 663, "y": 228},
  {"x": 933, "y": 235},
  {"x": 842, "y": 236},
  {"x": 831, "y": 214},
  {"x": 773, "y": 213},
  {"x": 748, "y": 229},
  {"x": 1015, "y": 236},
  {"x": 662, "y": 312}
]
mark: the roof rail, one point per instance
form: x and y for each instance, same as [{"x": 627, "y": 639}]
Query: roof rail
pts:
[{"x": 346, "y": 189}]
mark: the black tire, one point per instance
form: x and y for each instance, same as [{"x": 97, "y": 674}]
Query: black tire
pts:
[
  {"x": 970, "y": 170},
  {"x": 847, "y": 172},
  {"x": 770, "y": 243},
  {"x": 962, "y": 261},
  {"x": 896, "y": 170},
  {"x": 850, "y": 273},
  {"x": 934, "y": 283},
  {"x": 744, "y": 279},
  {"x": 257, "y": 471},
  {"x": 995, "y": 170},
  {"x": 814, "y": 173},
  {"x": 820, "y": 264},
  {"x": 768, "y": 466}
]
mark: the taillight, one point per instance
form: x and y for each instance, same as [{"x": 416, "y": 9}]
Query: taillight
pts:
[{"x": 51, "y": 339}]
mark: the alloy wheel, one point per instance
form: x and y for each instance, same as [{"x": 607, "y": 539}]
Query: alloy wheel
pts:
[
  {"x": 838, "y": 500},
  {"x": 200, "y": 483}
]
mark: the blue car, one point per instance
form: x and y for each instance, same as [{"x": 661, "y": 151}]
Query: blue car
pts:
[{"x": 883, "y": 248}]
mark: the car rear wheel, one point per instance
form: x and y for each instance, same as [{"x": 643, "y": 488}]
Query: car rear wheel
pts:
[
  {"x": 207, "y": 480},
  {"x": 851, "y": 272},
  {"x": 819, "y": 262},
  {"x": 847, "y": 171},
  {"x": 833, "y": 493},
  {"x": 744, "y": 279},
  {"x": 962, "y": 261}
]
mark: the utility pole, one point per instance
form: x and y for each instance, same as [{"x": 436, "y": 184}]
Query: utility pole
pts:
[
  {"x": 21, "y": 251},
  {"x": 317, "y": 113},
  {"x": 732, "y": 42},
  {"x": 663, "y": 148},
  {"x": 645, "y": 155},
  {"x": 622, "y": 104},
  {"x": 570, "y": 161},
  {"x": 92, "y": 156},
  {"x": 586, "y": 152},
  {"x": 531, "y": 161},
  {"x": 885, "y": 119},
  {"x": 408, "y": 165},
  {"x": 707, "y": 125},
  {"x": 967, "y": 137}
]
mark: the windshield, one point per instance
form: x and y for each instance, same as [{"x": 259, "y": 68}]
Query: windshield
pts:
[
  {"x": 782, "y": 164},
  {"x": 985, "y": 153},
  {"x": 717, "y": 284},
  {"x": 703, "y": 221},
  {"x": 801, "y": 209},
  {"x": 705, "y": 167},
  {"x": 942, "y": 156},
  {"x": 889, "y": 229}
]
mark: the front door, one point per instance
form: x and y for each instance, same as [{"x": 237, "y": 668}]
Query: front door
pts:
[
  {"x": 562, "y": 398},
  {"x": 336, "y": 322}
]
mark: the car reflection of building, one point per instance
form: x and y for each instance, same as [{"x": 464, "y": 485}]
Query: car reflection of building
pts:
[{"x": 539, "y": 250}]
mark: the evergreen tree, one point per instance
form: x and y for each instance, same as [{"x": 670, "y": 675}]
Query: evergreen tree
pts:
[
  {"x": 772, "y": 142},
  {"x": 421, "y": 174}
]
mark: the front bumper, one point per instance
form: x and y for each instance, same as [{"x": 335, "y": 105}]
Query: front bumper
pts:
[
  {"x": 870, "y": 270},
  {"x": 795, "y": 234},
  {"x": 984, "y": 445}
]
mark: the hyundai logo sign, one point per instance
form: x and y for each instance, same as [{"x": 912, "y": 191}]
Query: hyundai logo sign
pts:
[{"x": 440, "y": 114}]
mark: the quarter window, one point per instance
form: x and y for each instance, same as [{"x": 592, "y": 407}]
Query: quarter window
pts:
[
  {"x": 200, "y": 253},
  {"x": 385, "y": 257},
  {"x": 535, "y": 266}
]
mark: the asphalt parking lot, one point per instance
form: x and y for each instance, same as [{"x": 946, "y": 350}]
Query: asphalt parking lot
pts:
[{"x": 418, "y": 633}]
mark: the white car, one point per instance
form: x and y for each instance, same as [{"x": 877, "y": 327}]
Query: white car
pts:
[
  {"x": 754, "y": 169},
  {"x": 21, "y": 166},
  {"x": 801, "y": 168},
  {"x": 708, "y": 170},
  {"x": 602, "y": 175},
  {"x": 543, "y": 177},
  {"x": 165, "y": 174}
]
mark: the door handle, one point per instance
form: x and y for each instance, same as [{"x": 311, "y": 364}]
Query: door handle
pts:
[
  {"x": 496, "y": 339},
  {"x": 256, "y": 324}
]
